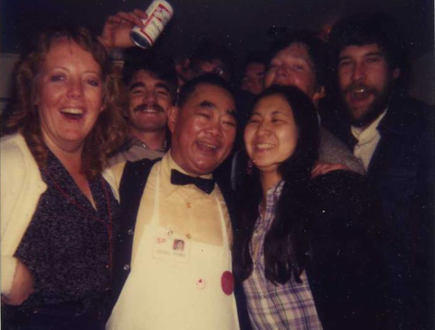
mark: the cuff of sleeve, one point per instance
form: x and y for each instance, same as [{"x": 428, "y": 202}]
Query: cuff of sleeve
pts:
[{"x": 8, "y": 267}]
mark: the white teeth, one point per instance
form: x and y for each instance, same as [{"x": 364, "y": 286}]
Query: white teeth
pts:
[
  {"x": 264, "y": 146},
  {"x": 361, "y": 90},
  {"x": 149, "y": 110},
  {"x": 72, "y": 111},
  {"x": 210, "y": 146}
]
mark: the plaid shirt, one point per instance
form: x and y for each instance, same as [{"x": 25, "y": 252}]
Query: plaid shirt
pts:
[{"x": 288, "y": 306}]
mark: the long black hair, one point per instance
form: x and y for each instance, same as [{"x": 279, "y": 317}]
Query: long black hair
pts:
[{"x": 286, "y": 243}]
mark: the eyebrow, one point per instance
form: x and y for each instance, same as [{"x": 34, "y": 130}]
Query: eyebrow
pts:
[
  {"x": 299, "y": 59},
  {"x": 278, "y": 112},
  {"x": 378, "y": 53},
  {"x": 207, "y": 104},
  {"x": 138, "y": 84},
  {"x": 210, "y": 105},
  {"x": 46, "y": 70},
  {"x": 163, "y": 85},
  {"x": 158, "y": 85}
]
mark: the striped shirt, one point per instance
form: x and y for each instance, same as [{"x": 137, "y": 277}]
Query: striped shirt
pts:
[
  {"x": 288, "y": 306},
  {"x": 134, "y": 150}
]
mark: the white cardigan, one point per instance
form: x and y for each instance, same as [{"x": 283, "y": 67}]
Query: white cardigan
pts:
[{"x": 20, "y": 190}]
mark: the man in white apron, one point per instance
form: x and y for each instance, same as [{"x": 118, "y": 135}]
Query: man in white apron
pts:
[{"x": 174, "y": 253}]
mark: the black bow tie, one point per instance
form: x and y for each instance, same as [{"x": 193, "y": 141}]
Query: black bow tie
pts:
[{"x": 181, "y": 179}]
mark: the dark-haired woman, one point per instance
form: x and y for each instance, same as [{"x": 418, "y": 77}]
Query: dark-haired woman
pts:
[
  {"x": 58, "y": 205},
  {"x": 303, "y": 246}
]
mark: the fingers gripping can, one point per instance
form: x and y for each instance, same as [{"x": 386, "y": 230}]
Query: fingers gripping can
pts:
[{"x": 159, "y": 14}]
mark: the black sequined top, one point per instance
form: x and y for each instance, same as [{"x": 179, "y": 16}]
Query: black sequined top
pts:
[{"x": 67, "y": 246}]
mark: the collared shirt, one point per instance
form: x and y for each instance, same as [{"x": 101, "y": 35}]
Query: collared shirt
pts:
[
  {"x": 368, "y": 139},
  {"x": 288, "y": 306},
  {"x": 189, "y": 211},
  {"x": 135, "y": 150}
]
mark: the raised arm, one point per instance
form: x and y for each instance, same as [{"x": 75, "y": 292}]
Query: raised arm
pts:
[{"x": 116, "y": 30}]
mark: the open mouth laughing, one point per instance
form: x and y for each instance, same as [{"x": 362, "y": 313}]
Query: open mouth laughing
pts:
[
  {"x": 264, "y": 146},
  {"x": 359, "y": 94},
  {"x": 208, "y": 147},
  {"x": 73, "y": 113}
]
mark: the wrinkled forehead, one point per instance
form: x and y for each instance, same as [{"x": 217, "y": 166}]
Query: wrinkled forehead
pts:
[
  {"x": 145, "y": 76},
  {"x": 366, "y": 48},
  {"x": 254, "y": 67},
  {"x": 214, "y": 96},
  {"x": 295, "y": 50},
  {"x": 275, "y": 103},
  {"x": 211, "y": 63},
  {"x": 64, "y": 52}
]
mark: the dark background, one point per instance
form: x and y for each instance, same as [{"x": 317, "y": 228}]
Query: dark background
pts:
[{"x": 242, "y": 25}]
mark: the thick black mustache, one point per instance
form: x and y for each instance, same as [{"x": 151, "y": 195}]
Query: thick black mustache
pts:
[{"x": 142, "y": 107}]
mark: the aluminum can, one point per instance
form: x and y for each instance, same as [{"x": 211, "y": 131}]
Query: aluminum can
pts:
[{"x": 159, "y": 14}]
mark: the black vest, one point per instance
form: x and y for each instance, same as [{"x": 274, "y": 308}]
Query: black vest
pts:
[{"x": 133, "y": 182}]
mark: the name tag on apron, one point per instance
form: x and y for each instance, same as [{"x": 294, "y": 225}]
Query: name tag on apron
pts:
[{"x": 168, "y": 246}]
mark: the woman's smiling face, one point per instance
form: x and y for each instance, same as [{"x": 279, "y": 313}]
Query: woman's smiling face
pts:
[
  {"x": 70, "y": 95},
  {"x": 271, "y": 134}
]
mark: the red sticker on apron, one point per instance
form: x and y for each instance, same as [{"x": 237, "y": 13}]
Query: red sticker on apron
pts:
[
  {"x": 200, "y": 284},
  {"x": 227, "y": 282}
]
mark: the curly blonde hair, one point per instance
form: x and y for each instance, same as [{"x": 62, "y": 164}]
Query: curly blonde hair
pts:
[{"x": 109, "y": 131}]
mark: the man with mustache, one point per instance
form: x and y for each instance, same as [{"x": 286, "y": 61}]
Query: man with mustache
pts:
[
  {"x": 393, "y": 136},
  {"x": 151, "y": 84}
]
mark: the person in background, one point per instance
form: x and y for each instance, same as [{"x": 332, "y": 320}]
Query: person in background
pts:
[
  {"x": 59, "y": 208},
  {"x": 393, "y": 136},
  {"x": 211, "y": 57},
  {"x": 151, "y": 84},
  {"x": 253, "y": 72},
  {"x": 298, "y": 60},
  {"x": 304, "y": 248},
  {"x": 208, "y": 57}
]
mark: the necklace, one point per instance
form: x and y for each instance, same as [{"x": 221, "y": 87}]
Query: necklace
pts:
[{"x": 108, "y": 226}]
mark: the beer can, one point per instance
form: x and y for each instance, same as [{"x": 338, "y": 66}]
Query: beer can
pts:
[{"x": 159, "y": 14}]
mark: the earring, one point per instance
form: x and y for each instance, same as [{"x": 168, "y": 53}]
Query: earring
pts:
[{"x": 249, "y": 167}]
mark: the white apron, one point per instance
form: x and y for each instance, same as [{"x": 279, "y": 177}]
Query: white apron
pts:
[{"x": 176, "y": 283}]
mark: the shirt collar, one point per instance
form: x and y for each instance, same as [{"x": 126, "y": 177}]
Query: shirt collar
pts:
[
  {"x": 276, "y": 190},
  {"x": 134, "y": 141},
  {"x": 167, "y": 165},
  {"x": 272, "y": 195},
  {"x": 366, "y": 135}
]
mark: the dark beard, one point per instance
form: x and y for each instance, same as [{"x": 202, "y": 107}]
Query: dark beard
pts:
[{"x": 374, "y": 110}]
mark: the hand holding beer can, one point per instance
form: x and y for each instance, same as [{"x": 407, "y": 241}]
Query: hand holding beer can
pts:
[{"x": 159, "y": 13}]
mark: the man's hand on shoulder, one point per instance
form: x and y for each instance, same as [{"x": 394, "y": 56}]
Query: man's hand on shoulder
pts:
[
  {"x": 321, "y": 168},
  {"x": 116, "y": 30}
]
